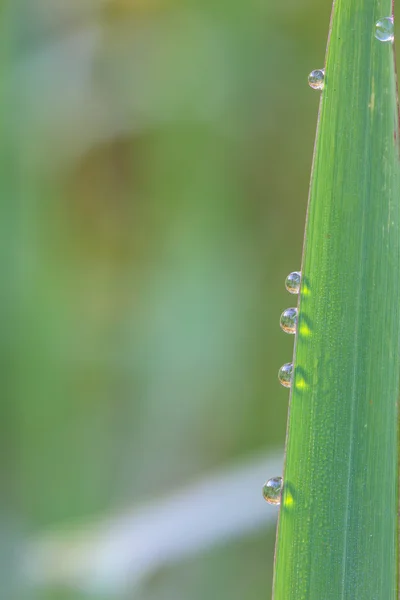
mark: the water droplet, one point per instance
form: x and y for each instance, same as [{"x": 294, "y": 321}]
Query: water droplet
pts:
[
  {"x": 316, "y": 79},
  {"x": 384, "y": 29},
  {"x": 289, "y": 320},
  {"x": 285, "y": 374},
  {"x": 293, "y": 282},
  {"x": 272, "y": 490}
]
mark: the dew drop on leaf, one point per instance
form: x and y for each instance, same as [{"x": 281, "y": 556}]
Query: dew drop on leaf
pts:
[
  {"x": 316, "y": 79},
  {"x": 288, "y": 320},
  {"x": 293, "y": 282},
  {"x": 384, "y": 29},
  {"x": 272, "y": 490},
  {"x": 285, "y": 374}
]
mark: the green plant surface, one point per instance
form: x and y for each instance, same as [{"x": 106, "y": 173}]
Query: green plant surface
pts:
[{"x": 337, "y": 532}]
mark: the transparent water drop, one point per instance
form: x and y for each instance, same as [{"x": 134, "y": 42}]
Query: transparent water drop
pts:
[
  {"x": 285, "y": 374},
  {"x": 316, "y": 79},
  {"x": 384, "y": 29},
  {"x": 293, "y": 282},
  {"x": 289, "y": 320},
  {"x": 272, "y": 490}
]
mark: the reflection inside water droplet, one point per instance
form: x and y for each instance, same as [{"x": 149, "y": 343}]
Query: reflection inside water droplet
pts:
[
  {"x": 272, "y": 490},
  {"x": 288, "y": 320},
  {"x": 285, "y": 374},
  {"x": 316, "y": 79},
  {"x": 384, "y": 29},
  {"x": 293, "y": 282}
]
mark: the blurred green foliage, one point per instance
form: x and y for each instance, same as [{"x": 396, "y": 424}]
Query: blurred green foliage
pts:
[{"x": 155, "y": 160}]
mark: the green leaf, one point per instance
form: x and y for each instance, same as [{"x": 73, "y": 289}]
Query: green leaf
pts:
[{"x": 337, "y": 533}]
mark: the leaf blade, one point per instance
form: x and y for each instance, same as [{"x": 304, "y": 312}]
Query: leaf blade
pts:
[{"x": 337, "y": 536}]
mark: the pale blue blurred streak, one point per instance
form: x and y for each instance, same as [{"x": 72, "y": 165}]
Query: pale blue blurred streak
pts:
[{"x": 122, "y": 551}]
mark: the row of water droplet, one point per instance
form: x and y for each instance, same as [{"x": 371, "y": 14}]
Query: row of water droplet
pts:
[
  {"x": 272, "y": 489},
  {"x": 384, "y": 32},
  {"x": 288, "y": 323}
]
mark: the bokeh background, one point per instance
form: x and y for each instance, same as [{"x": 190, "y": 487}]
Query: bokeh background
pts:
[{"x": 154, "y": 168}]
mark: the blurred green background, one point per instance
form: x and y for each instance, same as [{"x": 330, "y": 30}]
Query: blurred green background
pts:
[{"x": 155, "y": 159}]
